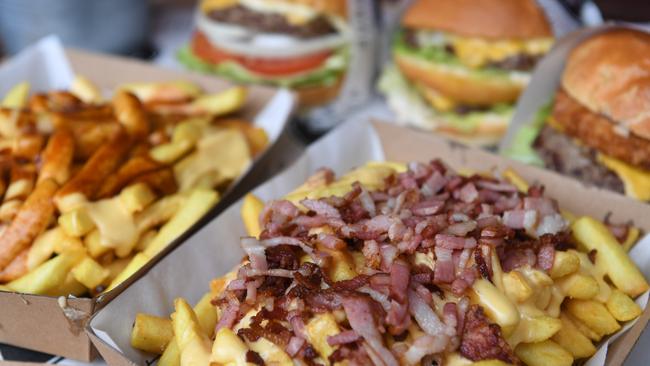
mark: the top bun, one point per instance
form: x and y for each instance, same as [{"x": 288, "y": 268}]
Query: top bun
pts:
[
  {"x": 332, "y": 7},
  {"x": 610, "y": 74},
  {"x": 490, "y": 19}
]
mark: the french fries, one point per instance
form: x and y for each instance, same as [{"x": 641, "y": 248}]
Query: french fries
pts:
[
  {"x": 91, "y": 188},
  {"x": 151, "y": 333},
  {"x": 551, "y": 316}
]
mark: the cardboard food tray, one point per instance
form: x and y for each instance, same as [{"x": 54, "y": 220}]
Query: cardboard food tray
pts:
[
  {"x": 38, "y": 322},
  {"x": 214, "y": 249}
]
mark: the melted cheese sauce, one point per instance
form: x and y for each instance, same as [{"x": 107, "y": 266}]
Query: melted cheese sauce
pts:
[{"x": 115, "y": 223}]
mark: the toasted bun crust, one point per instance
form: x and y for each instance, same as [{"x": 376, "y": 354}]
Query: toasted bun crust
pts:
[
  {"x": 315, "y": 96},
  {"x": 492, "y": 19},
  {"x": 459, "y": 86},
  {"x": 610, "y": 74}
]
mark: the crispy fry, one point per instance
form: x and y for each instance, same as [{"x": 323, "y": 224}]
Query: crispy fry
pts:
[
  {"x": 95, "y": 171},
  {"x": 543, "y": 354},
  {"x": 163, "y": 92},
  {"x": 57, "y": 157},
  {"x": 17, "y": 96},
  {"x": 133, "y": 168},
  {"x": 90, "y": 273},
  {"x": 61, "y": 100},
  {"x": 76, "y": 223},
  {"x": 571, "y": 339},
  {"x": 28, "y": 146},
  {"x": 131, "y": 114},
  {"x": 579, "y": 286},
  {"x": 564, "y": 263},
  {"x": 32, "y": 218},
  {"x": 48, "y": 275},
  {"x": 198, "y": 203},
  {"x": 594, "y": 314},
  {"x": 624, "y": 274},
  {"x": 9, "y": 210},
  {"x": 91, "y": 136},
  {"x": 250, "y": 213},
  {"x": 136, "y": 197},
  {"x": 42, "y": 248},
  {"x": 192, "y": 341},
  {"x": 622, "y": 307},
  {"x": 256, "y": 137},
  {"x": 69, "y": 286},
  {"x": 160, "y": 181},
  {"x": 85, "y": 90},
  {"x": 22, "y": 181},
  {"x": 16, "y": 268},
  {"x": 151, "y": 333},
  {"x": 159, "y": 212}
]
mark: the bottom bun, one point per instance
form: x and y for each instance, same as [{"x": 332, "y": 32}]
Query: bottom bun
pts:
[
  {"x": 411, "y": 108},
  {"x": 315, "y": 96}
]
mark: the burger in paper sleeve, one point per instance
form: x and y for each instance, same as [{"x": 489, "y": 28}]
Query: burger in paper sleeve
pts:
[
  {"x": 460, "y": 65},
  {"x": 597, "y": 128},
  {"x": 299, "y": 44}
]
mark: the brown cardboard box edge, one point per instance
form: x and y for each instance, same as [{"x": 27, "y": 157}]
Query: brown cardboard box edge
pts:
[
  {"x": 394, "y": 139},
  {"x": 38, "y": 322}
]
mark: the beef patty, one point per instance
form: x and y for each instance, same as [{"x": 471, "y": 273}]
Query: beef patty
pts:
[
  {"x": 598, "y": 132},
  {"x": 561, "y": 154},
  {"x": 272, "y": 23}
]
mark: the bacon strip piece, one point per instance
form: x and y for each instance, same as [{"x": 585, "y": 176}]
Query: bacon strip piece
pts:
[
  {"x": 359, "y": 314},
  {"x": 482, "y": 340},
  {"x": 30, "y": 221}
]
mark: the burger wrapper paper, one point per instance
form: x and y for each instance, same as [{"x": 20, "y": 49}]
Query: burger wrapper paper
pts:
[
  {"x": 31, "y": 321},
  {"x": 214, "y": 249}
]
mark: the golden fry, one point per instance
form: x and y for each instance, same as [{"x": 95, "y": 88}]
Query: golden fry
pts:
[{"x": 151, "y": 333}]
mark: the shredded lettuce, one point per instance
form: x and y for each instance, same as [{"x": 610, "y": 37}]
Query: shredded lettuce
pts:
[
  {"x": 437, "y": 53},
  {"x": 328, "y": 74},
  {"x": 414, "y": 109},
  {"x": 522, "y": 145}
]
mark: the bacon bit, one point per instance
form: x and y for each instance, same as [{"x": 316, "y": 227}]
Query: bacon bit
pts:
[
  {"x": 255, "y": 251},
  {"x": 228, "y": 317},
  {"x": 545, "y": 257},
  {"x": 497, "y": 187},
  {"x": 359, "y": 314},
  {"x": 425, "y": 316},
  {"x": 427, "y": 208},
  {"x": 454, "y": 242},
  {"x": 544, "y": 206},
  {"x": 254, "y": 358},
  {"x": 331, "y": 241},
  {"x": 347, "y": 336},
  {"x": 294, "y": 346},
  {"x": 371, "y": 253},
  {"x": 321, "y": 208},
  {"x": 461, "y": 228},
  {"x": 468, "y": 193},
  {"x": 425, "y": 345},
  {"x": 482, "y": 266},
  {"x": 482, "y": 340},
  {"x": 520, "y": 219},
  {"x": 516, "y": 258},
  {"x": 444, "y": 270},
  {"x": 399, "y": 281},
  {"x": 388, "y": 255}
]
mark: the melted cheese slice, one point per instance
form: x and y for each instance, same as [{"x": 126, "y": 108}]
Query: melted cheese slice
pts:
[
  {"x": 635, "y": 180},
  {"x": 114, "y": 221},
  {"x": 476, "y": 52}
]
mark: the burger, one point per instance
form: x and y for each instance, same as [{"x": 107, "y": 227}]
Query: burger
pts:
[
  {"x": 597, "y": 128},
  {"x": 459, "y": 65},
  {"x": 299, "y": 44}
]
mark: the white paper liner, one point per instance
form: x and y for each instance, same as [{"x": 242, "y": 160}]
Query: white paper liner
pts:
[
  {"x": 43, "y": 65},
  {"x": 214, "y": 250}
]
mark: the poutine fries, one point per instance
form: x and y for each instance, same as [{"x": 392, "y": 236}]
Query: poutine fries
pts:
[
  {"x": 92, "y": 189},
  {"x": 396, "y": 265}
]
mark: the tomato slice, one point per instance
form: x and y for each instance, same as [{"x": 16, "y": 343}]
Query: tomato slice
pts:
[{"x": 203, "y": 48}]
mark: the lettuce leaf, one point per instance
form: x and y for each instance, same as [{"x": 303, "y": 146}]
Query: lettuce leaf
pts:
[
  {"x": 439, "y": 54},
  {"x": 328, "y": 74},
  {"x": 522, "y": 145}
]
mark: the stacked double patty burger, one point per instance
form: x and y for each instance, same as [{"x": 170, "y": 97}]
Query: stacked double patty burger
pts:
[
  {"x": 461, "y": 64},
  {"x": 598, "y": 127},
  {"x": 300, "y": 44}
]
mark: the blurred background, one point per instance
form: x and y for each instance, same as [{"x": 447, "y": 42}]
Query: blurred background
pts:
[{"x": 155, "y": 29}]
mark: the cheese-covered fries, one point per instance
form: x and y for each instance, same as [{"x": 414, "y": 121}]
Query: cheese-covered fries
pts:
[
  {"x": 91, "y": 189},
  {"x": 396, "y": 265}
]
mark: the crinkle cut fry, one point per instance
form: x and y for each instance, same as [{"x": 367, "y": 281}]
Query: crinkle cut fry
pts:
[
  {"x": 95, "y": 171},
  {"x": 17, "y": 268},
  {"x": 32, "y": 218},
  {"x": 57, "y": 156}
]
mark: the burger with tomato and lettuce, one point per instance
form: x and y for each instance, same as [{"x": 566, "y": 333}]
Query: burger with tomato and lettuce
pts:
[
  {"x": 459, "y": 65},
  {"x": 299, "y": 44}
]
